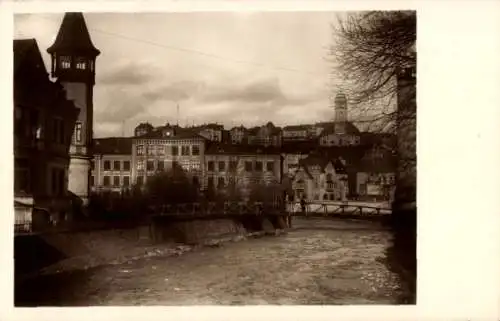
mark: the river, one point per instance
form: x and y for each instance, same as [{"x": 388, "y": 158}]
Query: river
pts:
[{"x": 319, "y": 261}]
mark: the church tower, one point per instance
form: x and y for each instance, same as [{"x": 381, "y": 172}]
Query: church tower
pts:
[
  {"x": 340, "y": 108},
  {"x": 73, "y": 64}
]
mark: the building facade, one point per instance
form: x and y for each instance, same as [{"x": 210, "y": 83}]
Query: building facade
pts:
[
  {"x": 162, "y": 148},
  {"x": 241, "y": 166},
  {"x": 295, "y": 133},
  {"x": 111, "y": 167},
  {"x": 319, "y": 179},
  {"x": 238, "y": 135},
  {"x": 43, "y": 124},
  {"x": 73, "y": 57}
]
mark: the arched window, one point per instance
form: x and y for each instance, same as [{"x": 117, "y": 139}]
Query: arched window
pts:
[{"x": 329, "y": 177}]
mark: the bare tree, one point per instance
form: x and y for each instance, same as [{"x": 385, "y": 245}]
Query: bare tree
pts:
[
  {"x": 374, "y": 53},
  {"x": 368, "y": 52}
]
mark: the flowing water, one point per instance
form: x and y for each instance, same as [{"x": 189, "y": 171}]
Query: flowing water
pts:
[{"x": 317, "y": 262}]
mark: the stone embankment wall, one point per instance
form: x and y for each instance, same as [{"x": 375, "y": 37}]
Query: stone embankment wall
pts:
[{"x": 82, "y": 250}]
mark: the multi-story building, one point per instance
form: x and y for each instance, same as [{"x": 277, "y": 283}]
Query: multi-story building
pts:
[
  {"x": 295, "y": 133},
  {"x": 212, "y": 132},
  {"x": 241, "y": 166},
  {"x": 319, "y": 178},
  {"x": 376, "y": 172},
  {"x": 162, "y": 148},
  {"x": 111, "y": 166},
  {"x": 267, "y": 135},
  {"x": 43, "y": 124},
  {"x": 238, "y": 135},
  {"x": 143, "y": 129}
]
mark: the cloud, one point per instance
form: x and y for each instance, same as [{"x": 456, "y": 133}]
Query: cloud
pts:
[
  {"x": 265, "y": 91},
  {"x": 176, "y": 91},
  {"x": 127, "y": 73}
]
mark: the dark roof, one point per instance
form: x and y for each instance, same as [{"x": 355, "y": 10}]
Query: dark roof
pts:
[
  {"x": 179, "y": 133},
  {"x": 73, "y": 36},
  {"x": 24, "y": 48},
  {"x": 113, "y": 146},
  {"x": 241, "y": 127},
  {"x": 32, "y": 85},
  {"x": 232, "y": 149},
  {"x": 296, "y": 127}
]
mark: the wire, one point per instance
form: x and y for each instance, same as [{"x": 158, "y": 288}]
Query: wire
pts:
[{"x": 200, "y": 53}]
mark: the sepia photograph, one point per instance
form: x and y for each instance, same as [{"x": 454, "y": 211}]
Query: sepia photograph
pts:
[{"x": 215, "y": 158}]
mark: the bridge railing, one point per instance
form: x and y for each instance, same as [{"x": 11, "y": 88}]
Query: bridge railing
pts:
[
  {"x": 213, "y": 208},
  {"x": 332, "y": 207}
]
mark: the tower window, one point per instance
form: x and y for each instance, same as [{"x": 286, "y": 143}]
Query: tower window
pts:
[
  {"x": 65, "y": 62},
  {"x": 78, "y": 132},
  {"x": 81, "y": 64}
]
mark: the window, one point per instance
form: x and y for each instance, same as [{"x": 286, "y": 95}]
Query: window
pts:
[
  {"x": 92, "y": 165},
  {"x": 258, "y": 166},
  {"x": 21, "y": 180},
  {"x": 151, "y": 149},
  {"x": 78, "y": 132},
  {"x": 116, "y": 165},
  {"x": 140, "y": 180},
  {"x": 92, "y": 180},
  {"x": 126, "y": 181},
  {"x": 107, "y": 165},
  {"x": 210, "y": 166},
  {"x": 106, "y": 181},
  {"x": 81, "y": 64},
  {"x": 140, "y": 165},
  {"x": 116, "y": 180},
  {"x": 65, "y": 62},
  {"x": 185, "y": 150},
  {"x": 126, "y": 165},
  {"x": 175, "y": 150},
  {"x": 160, "y": 150},
  {"x": 150, "y": 165},
  {"x": 220, "y": 182},
  {"x": 210, "y": 182},
  {"x": 195, "y": 150},
  {"x": 329, "y": 177},
  {"x": 248, "y": 166},
  {"x": 222, "y": 166},
  {"x": 325, "y": 197},
  {"x": 270, "y": 166},
  {"x": 140, "y": 150},
  {"x": 233, "y": 165},
  {"x": 161, "y": 165}
]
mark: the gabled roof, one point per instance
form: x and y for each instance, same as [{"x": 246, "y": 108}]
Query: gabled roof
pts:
[
  {"x": 112, "y": 146},
  {"x": 73, "y": 36},
  {"x": 25, "y": 49}
]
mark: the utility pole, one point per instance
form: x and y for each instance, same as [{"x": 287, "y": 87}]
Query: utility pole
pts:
[{"x": 177, "y": 114}]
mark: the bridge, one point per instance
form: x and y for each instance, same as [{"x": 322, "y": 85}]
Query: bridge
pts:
[
  {"x": 230, "y": 209},
  {"x": 222, "y": 210}
]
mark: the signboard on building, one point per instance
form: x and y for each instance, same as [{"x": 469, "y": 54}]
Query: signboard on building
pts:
[{"x": 374, "y": 189}]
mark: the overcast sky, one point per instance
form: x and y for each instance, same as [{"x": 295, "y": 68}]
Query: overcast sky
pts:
[{"x": 230, "y": 68}]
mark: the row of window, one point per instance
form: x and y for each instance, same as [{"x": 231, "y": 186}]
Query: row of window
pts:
[
  {"x": 117, "y": 165},
  {"x": 173, "y": 150},
  {"x": 232, "y": 166},
  {"x": 112, "y": 181},
  {"x": 80, "y": 63},
  {"x": 160, "y": 165}
]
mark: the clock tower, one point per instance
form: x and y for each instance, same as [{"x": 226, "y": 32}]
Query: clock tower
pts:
[{"x": 73, "y": 59}]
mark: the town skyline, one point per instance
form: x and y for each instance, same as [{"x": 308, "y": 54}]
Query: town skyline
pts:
[{"x": 237, "y": 86}]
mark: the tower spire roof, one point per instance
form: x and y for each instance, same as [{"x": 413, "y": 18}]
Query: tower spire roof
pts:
[{"x": 73, "y": 36}]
